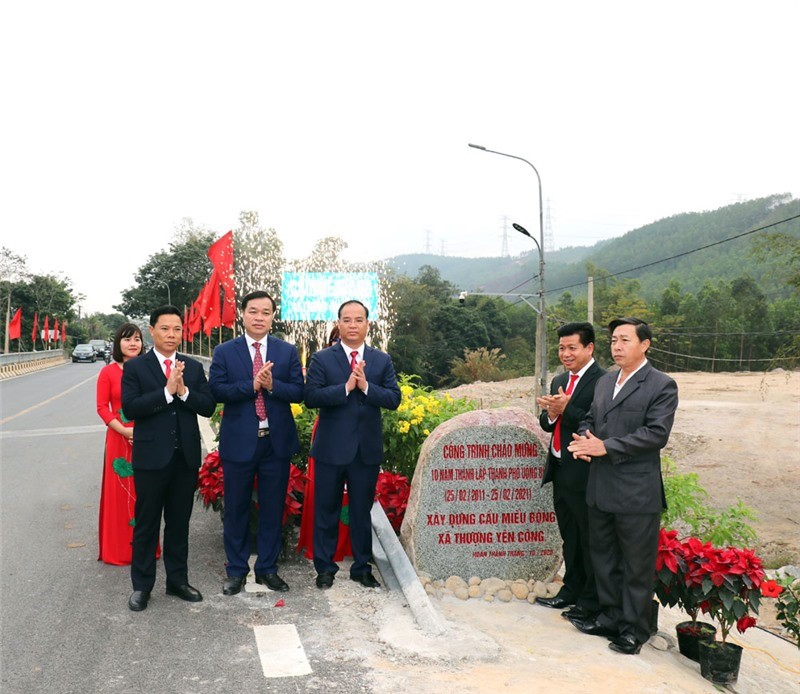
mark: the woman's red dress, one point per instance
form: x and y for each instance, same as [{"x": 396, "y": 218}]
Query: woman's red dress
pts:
[
  {"x": 117, "y": 494},
  {"x": 305, "y": 542}
]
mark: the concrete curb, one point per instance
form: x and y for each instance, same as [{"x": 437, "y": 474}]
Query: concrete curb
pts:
[{"x": 426, "y": 617}]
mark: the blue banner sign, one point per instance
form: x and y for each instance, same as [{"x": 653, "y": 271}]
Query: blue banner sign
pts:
[{"x": 318, "y": 295}]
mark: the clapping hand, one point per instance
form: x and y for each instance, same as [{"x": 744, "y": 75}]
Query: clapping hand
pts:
[
  {"x": 263, "y": 379},
  {"x": 554, "y": 405},
  {"x": 175, "y": 383}
]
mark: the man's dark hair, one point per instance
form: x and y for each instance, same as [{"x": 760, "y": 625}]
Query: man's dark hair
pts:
[
  {"x": 643, "y": 331},
  {"x": 125, "y": 330},
  {"x": 164, "y": 311},
  {"x": 257, "y": 294},
  {"x": 584, "y": 331},
  {"x": 353, "y": 301}
]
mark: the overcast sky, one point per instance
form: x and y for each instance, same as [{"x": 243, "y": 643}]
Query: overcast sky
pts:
[{"x": 352, "y": 119}]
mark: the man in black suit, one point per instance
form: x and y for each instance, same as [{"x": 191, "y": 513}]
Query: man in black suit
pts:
[
  {"x": 164, "y": 391},
  {"x": 350, "y": 383},
  {"x": 563, "y": 410},
  {"x": 627, "y": 426}
]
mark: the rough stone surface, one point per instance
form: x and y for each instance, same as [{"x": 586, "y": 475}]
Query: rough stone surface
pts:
[
  {"x": 474, "y": 580},
  {"x": 520, "y": 590},
  {"x": 505, "y": 595},
  {"x": 462, "y": 593},
  {"x": 553, "y": 589},
  {"x": 455, "y": 582},
  {"x": 477, "y": 507},
  {"x": 492, "y": 584},
  {"x": 475, "y": 591},
  {"x": 540, "y": 589}
]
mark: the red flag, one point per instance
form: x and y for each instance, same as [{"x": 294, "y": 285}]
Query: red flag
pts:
[
  {"x": 207, "y": 304},
  {"x": 63, "y": 332},
  {"x": 35, "y": 328},
  {"x": 195, "y": 320},
  {"x": 56, "y": 335},
  {"x": 46, "y": 332},
  {"x": 221, "y": 256},
  {"x": 185, "y": 336},
  {"x": 212, "y": 314},
  {"x": 15, "y": 325}
]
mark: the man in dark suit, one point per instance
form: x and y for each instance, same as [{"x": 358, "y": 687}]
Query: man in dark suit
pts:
[
  {"x": 256, "y": 376},
  {"x": 567, "y": 405},
  {"x": 349, "y": 382},
  {"x": 627, "y": 426},
  {"x": 164, "y": 391}
]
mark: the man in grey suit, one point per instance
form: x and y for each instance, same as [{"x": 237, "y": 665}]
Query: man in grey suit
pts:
[{"x": 622, "y": 436}]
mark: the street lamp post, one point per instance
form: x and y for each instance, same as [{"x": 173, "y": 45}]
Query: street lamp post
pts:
[
  {"x": 169, "y": 294},
  {"x": 541, "y": 315}
]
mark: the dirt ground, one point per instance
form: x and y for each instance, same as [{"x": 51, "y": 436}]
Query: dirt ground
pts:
[{"x": 739, "y": 431}]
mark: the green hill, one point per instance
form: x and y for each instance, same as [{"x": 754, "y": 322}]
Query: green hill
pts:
[{"x": 655, "y": 254}]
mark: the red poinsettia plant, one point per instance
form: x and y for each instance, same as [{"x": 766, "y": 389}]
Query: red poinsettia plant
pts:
[
  {"x": 210, "y": 488},
  {"x": 724, "y": 582},
  {"x": 731, "y": 580},
  {"x": 209, "y": 482},
  {"x": 392, "y": 491}
]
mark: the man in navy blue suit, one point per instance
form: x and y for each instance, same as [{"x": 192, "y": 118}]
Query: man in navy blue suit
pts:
[
  {"x": 256, "y": 376},
  {"x": 349, "y": 382},
  {"x": 164, "y": 392}
]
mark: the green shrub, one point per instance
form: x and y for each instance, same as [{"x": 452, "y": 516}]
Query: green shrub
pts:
[
  {"x": 420, "y": 412},
  {"x": 478, "y": 365},
  {"x": 688, "y": 512}
]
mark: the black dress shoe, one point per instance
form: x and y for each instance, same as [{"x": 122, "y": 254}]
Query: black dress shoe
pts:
[
  {"x": 626, "y": 643},
  {"x": 556, "y": 602},
  {"x": 367, "y": 580},
  {"x": 138, "y": 600},
  {"x": 233, "y": 585},
  {"x": 273, "y": 582},
  {"x": 185, "y": 592},
  {"x": 578, "y": 612},
  {"x": 593, "y": 627},
  {"x": 324, "y": 580}
]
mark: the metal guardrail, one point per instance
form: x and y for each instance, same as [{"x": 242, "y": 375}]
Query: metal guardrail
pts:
[{"x": 18, "y": 363}]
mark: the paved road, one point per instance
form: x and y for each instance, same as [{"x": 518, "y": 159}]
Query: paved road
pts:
[
  {"x": 65, "y": 626},
  {"x": 65, "y": 623}
]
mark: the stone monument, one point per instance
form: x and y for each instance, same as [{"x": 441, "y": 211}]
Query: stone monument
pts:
[{"x": 477, "y": 506}]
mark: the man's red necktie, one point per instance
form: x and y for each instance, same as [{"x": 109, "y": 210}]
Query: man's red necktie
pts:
[
  {"x": 557, "y": 430},
  {"x": 353, "y": 360},
  {"x": 168, "y": 367},
  {"x": 258, "y": 363}
]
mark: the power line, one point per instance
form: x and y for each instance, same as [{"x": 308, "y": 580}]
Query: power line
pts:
[
  {"x": 680, "y": 255},
  {"x": 691, "y": 356},
  {"x": 737, "y": 334}
]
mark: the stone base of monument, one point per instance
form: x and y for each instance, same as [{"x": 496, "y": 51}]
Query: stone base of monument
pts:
[
  {"x": 488, "y": 589},
  {"x": 477, "y": 506}
]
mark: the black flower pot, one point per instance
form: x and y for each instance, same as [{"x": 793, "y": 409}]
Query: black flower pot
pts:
[
  {"x": 719, "y": 662},
  {"x": 654, "y": 607},
  {"x": 690, "y": 634}
]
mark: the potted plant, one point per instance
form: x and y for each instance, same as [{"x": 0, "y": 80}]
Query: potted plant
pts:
[
  {"x": 675, "y": 559},
  {"x": 729, "y": 580}
]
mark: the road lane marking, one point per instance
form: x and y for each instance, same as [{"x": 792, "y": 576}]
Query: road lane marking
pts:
[
  {"x": 49, "y": 400},
  {"x": 56, "y": 431},
  {"x": 280, "y": 651}
]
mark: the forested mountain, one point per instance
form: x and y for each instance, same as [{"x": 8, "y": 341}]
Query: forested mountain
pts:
[{"x": 656, "y": 254}]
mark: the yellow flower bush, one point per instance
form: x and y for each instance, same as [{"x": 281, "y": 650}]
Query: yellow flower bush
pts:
[{"x": 406, "y": 428}]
